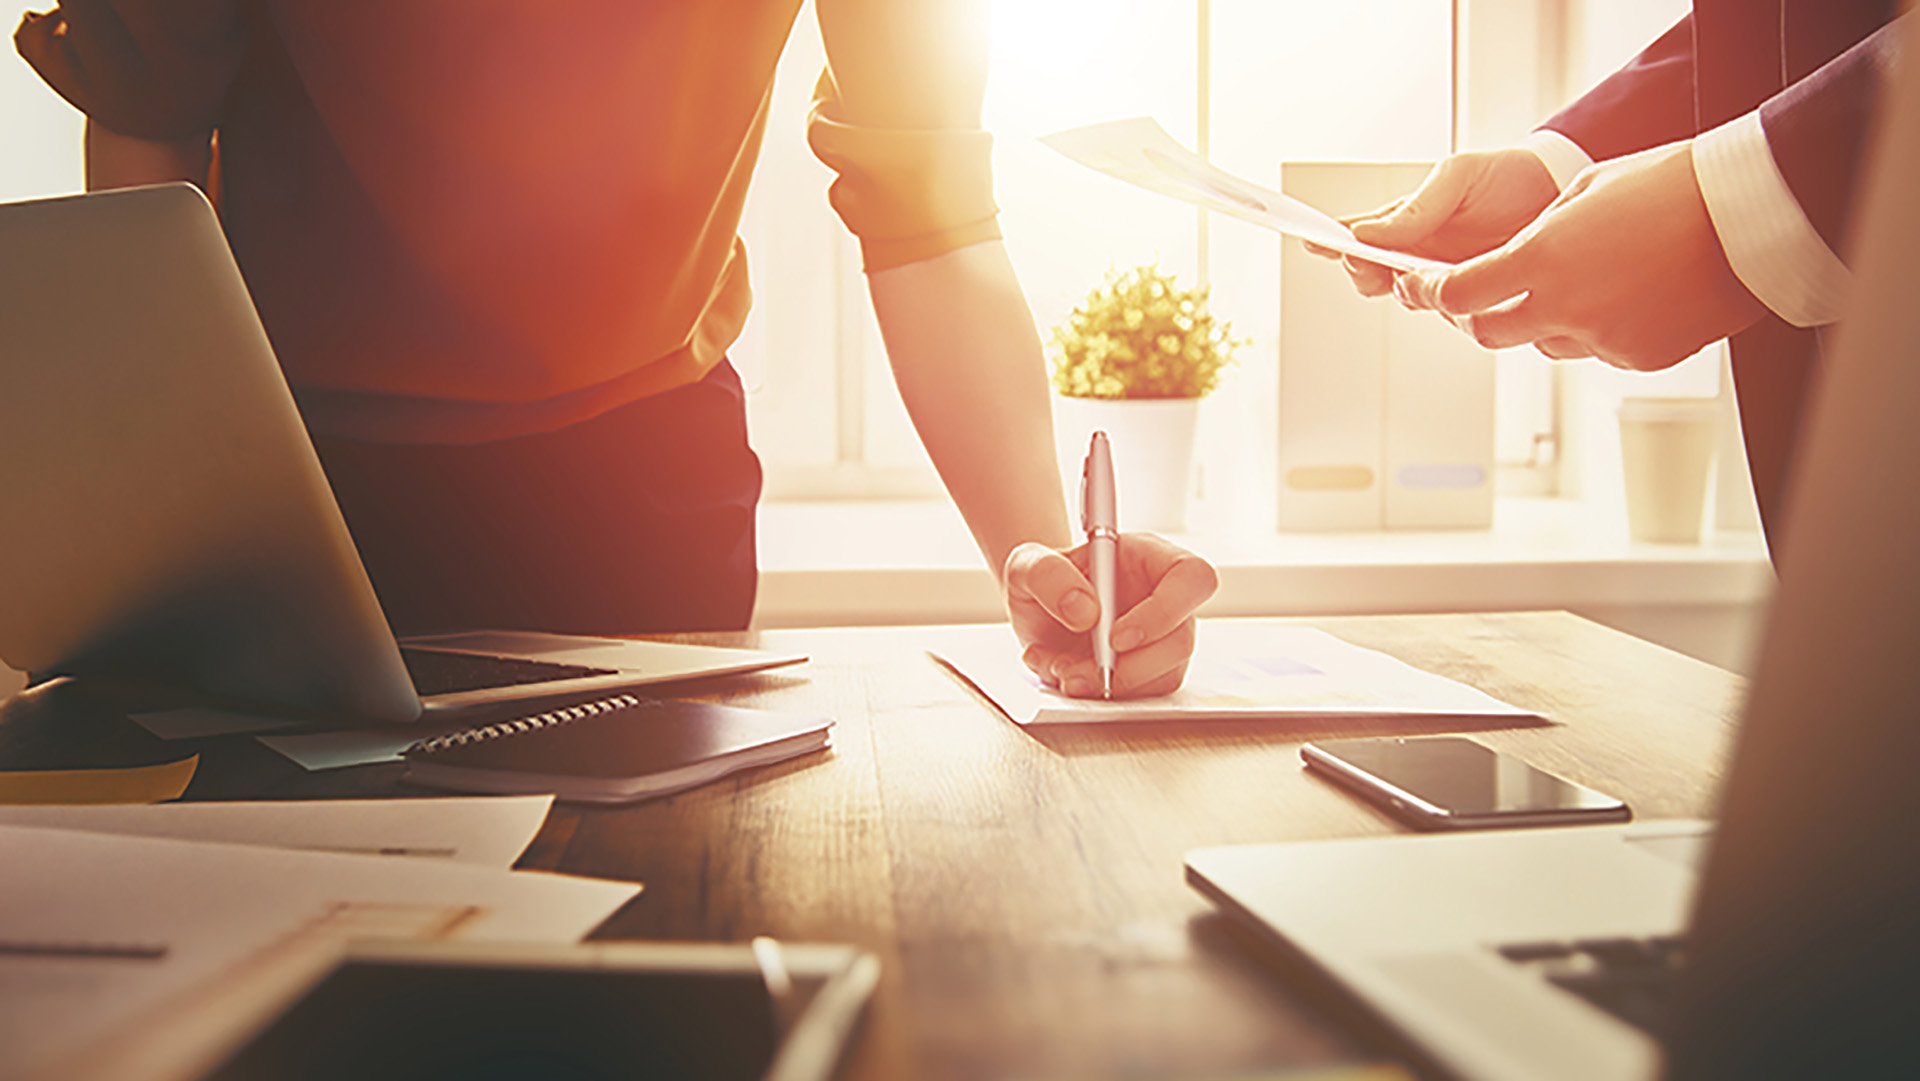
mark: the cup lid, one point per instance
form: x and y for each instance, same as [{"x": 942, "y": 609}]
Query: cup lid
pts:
[{"x": 1667, "y": 408}]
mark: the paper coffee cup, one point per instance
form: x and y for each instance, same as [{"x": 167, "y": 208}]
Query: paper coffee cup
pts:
[{"x": 1666, "y": 454}]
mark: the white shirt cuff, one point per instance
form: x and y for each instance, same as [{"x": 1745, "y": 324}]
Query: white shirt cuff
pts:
[
  {"x": 1773, "y": 249},
  {"x": 1562, "y": 156}
]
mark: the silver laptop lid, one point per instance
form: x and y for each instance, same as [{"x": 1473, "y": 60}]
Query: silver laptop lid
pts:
[
  {"x": 1805, "y": 949},
  {"x": 164, "y": 516}
]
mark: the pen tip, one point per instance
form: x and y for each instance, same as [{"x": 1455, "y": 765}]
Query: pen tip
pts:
[{"x": 1106, "y": 684}]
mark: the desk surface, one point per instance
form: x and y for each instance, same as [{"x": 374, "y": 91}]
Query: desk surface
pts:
[{"x": 1024, "y": 889}]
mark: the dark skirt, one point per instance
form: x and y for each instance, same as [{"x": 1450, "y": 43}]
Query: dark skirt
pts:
[{"x": 639, "y": 520}]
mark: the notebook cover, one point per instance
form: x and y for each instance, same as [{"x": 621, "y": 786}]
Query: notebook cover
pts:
[{"x": 621, "y": 751}]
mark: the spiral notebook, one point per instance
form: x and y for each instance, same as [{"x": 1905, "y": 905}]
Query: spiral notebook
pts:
[{"x": 614, "y": 750}]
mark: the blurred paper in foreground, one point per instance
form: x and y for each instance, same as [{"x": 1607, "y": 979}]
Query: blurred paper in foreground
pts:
[{"x": 1140, "y": 152}]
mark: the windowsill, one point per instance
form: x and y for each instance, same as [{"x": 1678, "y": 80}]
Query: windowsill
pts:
[{"x": 913, "y": 562}]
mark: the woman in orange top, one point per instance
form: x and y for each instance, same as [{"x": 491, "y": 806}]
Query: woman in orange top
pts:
[{"x": 495, "y": 248}]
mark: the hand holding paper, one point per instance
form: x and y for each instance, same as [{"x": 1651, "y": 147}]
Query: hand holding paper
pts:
[
  {"x": 1625, "y": 265},
  {"x": 1468, "y": 205},
  {"x": 1140, "y": 152}
]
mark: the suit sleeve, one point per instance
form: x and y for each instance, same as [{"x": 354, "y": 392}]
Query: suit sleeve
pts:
[
  {"x": 1818, "y": 129},
  {"x": 1779, "y": 181},
  {"x": 1645, "y": 104}
]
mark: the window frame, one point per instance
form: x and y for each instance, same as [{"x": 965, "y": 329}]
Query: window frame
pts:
[{"x": 1494, "y": 101}]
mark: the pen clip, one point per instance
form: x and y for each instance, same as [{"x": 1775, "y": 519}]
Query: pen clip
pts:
[
  {"x": 1086, "y": 494},
  {"x": 1098, "y": 516}
]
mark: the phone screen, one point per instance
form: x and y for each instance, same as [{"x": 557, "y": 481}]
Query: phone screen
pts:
[{"x": 1448, "y": 781}]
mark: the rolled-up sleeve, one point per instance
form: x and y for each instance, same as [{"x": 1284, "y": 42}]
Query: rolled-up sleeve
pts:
[
  {"x": 150, "y": 69},
  {"x": 897, "y": 116},
  {"x": 908, "y": 194}
]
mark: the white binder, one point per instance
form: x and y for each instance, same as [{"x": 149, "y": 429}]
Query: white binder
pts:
[{"x": 1385, "y": 415}]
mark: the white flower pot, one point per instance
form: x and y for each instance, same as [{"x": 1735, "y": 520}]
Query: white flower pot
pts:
[{"x": 1152, "y": 455}]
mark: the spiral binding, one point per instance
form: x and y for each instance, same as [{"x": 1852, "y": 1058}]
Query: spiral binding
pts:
[{"x": 552, "y": 719}]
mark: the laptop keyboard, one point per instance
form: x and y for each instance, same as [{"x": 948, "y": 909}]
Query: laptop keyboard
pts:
[
  {"x": 438, "y": 672},
  {"x": 1630, "y": 978}
]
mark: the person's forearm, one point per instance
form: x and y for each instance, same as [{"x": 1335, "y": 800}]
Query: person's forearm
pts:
[
  {"x": 968, "y": 364},
  {"x": 121, "y": 161}
]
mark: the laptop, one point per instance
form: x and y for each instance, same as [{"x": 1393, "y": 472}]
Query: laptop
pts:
[
  {"x": 1785, "y": 942},
  {"x": 164, "y": 516}
]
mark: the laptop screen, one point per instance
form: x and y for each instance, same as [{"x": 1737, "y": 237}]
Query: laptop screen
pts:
[{"x": 1806, "y": 936}]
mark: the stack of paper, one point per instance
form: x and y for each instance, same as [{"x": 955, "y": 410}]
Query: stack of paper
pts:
[
  {"x": 99, "y": 930},
  {"x": 490, "y": 831}
]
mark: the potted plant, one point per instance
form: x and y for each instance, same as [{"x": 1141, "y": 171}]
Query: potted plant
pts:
[{"x": 1134, "y": 359}]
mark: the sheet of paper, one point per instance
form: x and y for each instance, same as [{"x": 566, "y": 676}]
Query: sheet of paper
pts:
[
  {"x": 198, "y": 723},
  {"x": 95, "y": 928},
  {"x": 491, "y": 831},
  {"x": 130, "y": 784},
  {"x": 1140, "y": 152},
  {"x": 1239, "y": 670},
  {"x": 349, "y": 747}
]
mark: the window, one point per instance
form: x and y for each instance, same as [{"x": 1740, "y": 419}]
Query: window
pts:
[
  {"x": 39, "y": 133},
  {"x": 1250, "y": 82},
  {"x": 1277, "y": 85},
  {"x": 1594, "y": 38}
]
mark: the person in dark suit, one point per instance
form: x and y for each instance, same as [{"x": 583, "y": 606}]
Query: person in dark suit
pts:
[{"x": 1700, "y": 192}]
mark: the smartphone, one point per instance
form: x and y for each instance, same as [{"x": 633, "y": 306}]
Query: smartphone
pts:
[{"x": 1449, "y": 783}]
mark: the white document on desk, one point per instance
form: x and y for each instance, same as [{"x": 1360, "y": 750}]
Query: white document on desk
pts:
[
  {"x": 1240, "y": 671},
  {"x": 491, "y": 831},
  {"x": 95, "y": 929},
  {"x": 1139, "y": 151},
  {"x": 345, "y": 747}
]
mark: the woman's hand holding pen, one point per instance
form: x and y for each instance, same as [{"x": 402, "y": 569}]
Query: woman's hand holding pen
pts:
[{"x": 1050, "y": 600}]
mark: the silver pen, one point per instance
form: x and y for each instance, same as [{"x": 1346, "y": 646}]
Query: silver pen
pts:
[{"x": 1099, "y": 516}]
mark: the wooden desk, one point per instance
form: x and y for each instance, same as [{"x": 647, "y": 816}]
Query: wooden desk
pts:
[{"x": 1025, "y": 890}]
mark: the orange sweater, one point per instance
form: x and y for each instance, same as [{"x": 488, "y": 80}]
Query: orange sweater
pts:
[{"x": 465, "y": 220}]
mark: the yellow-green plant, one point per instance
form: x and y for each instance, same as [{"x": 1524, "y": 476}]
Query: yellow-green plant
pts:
[{"x": 1139, "y": 335}]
